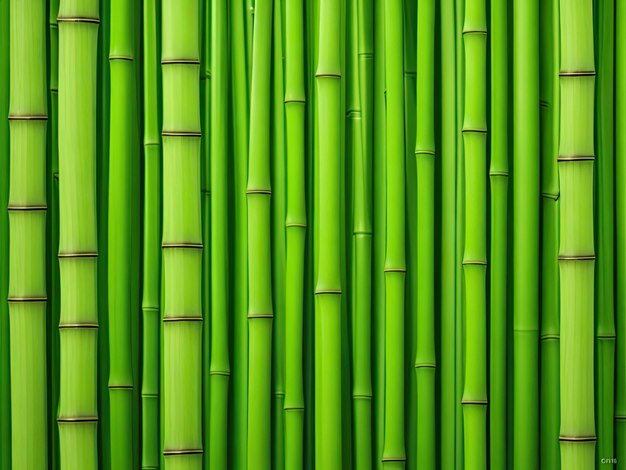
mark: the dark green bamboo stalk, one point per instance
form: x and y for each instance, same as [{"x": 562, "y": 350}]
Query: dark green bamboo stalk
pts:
[
  {"x": 550, "y": 328},
  {"x": 499, "y": 181},
  {"x": 260, "y": 310},
  {"x": 219, "y": 367},
  {"x": 122, "y": 153},
  {"x": 150, "y": 444},
  {"x": 448, "y": 281},
  {"x": 394, "y": 455},
  {"x": 576, "y": 237},
  {"x": 605, "y": 229},
  {"x": 78, "y": 237},
  {"x": 27, "y": 234},
  {"x": 327, "y": 236},
  {"x": 525, "y": 233},
  {"x": 182, "y": 236}
]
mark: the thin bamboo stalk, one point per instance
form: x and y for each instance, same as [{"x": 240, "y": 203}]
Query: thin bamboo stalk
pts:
[
  {"x": 550, "y": 328},
  {"x": 150, "y": 444},
  {"x": 425, "y": 360},
  {"x": 260, "y": 309},
  {"x": 576, "y": 237},
  {"x": 219, "y": 368},
  {"x": 605, "y": 229},
  {"x": 5, "y": 368},
  {"x": 182, "y": 237},
  {"x": 499, "y": 182},
  {"x": 122, "y": 153},
  {"x": 27, "y": 234},
  {"x": 327, "y": 236},
  {"x": 525, "y": 233}
]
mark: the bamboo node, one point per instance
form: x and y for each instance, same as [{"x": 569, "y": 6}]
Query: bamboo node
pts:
[
  {"x": 472, "y": 130},
  {"x": 295, "y": 100},
  {"x": 578, "y": 73},
  {"x": 34, "y": 208},
  {"x": 260, "y": 315},
  {"x": 474, "y": 262},
  {"x": 475, "y": 402},
  {"x": 295, "y": 224},
  {"x": 498, "y": 173},
  {"x": 590, "y": 257},
  {"x": 425, "y": 152},
  {"x": 576, "y": 158},
  {"x": 394, "y": 270},
  {"x": 120, "y": 387},
  {"x": 482, "y": 32},
  {"x": 425, "y": 365},
  {"x": 544, "y": 104},
  {"x": 182, "y": 319},
  {"x": 554, "y": 197},
  {"x": 78, "y": 326},
  {"x": 550, "y": 336},
  {"x": 327, "y": 75},
  {"x": 128, "y": 58},
  {"x": 195, "y": 246},
  {"x": 366, "y": 55},
  {"x": 578, "y": 438},
  {"x": 225, "y": 373},
  {"x": 27, "y": 299},
  {"x": 181, "y": 133},
  {"x": 180, "y": 61},
  {"x": 77, "y": 19},
  {"x": 620, "y": 417},
  {"x": 167, "y": 452},
  {"x": 328, "y": 291},
  {"x": 259, "y": 191},
  {"x": 77, "y": 419},
  {"x": 293, "y": 408},
  {"x": 394, "y": 459},
  {"x": 361, "y": 396},
  {"x": 28, "y": 117},
  {"x": 83, "y": 254}
]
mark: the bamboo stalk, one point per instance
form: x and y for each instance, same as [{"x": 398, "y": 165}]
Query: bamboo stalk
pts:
[
  {"x": 182, "y": 237},
  {"x": 78, "y": 249},
  {"x": 525, "y": 233},
  {"x": 499, "y": 181},
  {"x": 327, "y": 236},
  {"x": 260, "y": 309},
  {"x": 122, "y": 154},
  {"x": 219, "y": 368},
  {"x": 27, "y": 235},
  {"x": 576, "y": 238},
  {"x": 550, "y": 328}
]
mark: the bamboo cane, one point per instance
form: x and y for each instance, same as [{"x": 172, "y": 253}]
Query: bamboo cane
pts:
[
  {"x": 182, "y": 237},
  {"x": 576, "y": 237},
  {"x": 27, "y": 234},
  {"x": 525, "y": 233},
  {"x": 78, "y": 249},
  {"x": 151, "y": 242}
]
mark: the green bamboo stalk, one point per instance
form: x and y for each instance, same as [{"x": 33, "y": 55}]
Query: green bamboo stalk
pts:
[
  {"x": 576, "y": 238},
  {"x": 499, "y": 181},
  {"x": 550, "y": 328},
  {"x": 150, "y": 443},
  {"x": 604, "y": 277},
  {"x": 448, "y": 281},
  {"x": 394, "y": 455},
  {"x": 122, "y": 154},
  {"x": 219, "y": 368},
  {"x": 260, "y": 310},
  {"x": 327, "y": 236},
  {"x": 525, "y": 233},
  {"x": 5, "y": 367},
  {"x": 27, "y": 234},
  {"x": 78, "y": 237},
  {"x": 620, "y": 235},
  {"x": 361, "y": 239},
  {"x": 240, "y": 270},
  {"x": 182, "y": 236},
  {"x": 295, "y": 229},
  {"x": 425, "y": 360}
]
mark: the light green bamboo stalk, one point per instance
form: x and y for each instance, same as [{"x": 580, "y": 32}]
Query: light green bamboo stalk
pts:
[
  {"x": 122, "y": 153},
  {"x": 182, "y": 236},
  {"x": 425, "y": 361},
  {"x": 219, "y": 367},
  {"x": 394, "y": 455},
  {"x": 605, "y": 229},
  {"x": 525, "y": 233},
  {"x": 260, "y": 311},
  {"x": 576, "y": 238},
  {"x": 550, "y": 328},
  {"x": 27, "y": 234},
  {"x": 150, "y": 443},
  {"x": 78, "y": 247},
  {"x": 499, "y": 181},
  {"x": 327, "y": 236},
  {"x": 295, "y": 228}
]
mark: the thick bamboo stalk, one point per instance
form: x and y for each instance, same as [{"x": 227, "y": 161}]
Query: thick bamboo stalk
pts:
[
  {"x": 499, "y": 182},
  {"x": 576, "y": 237},
  {"x": 5, "y": 367},
  {"x": 605, "y": 229},
  {"x": 150, "y": 443},
  {"x": 122, "y": 153},
  {"x": 425, "y": 360},
  {"x": 394, "y": 454},
  {"x": 260, "y": 310},
  {"x": 27, "y": 234},
  {"x": 219, "y": 367},
  {"x": 550, "y": 327},
  {"x": 295, "y": 228},
  {"x": 182, "y": 237},
  {"x": 525, "y": 233},
  {"x": 327, "y": 236},
  {"x": 78, "y": 237}
]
